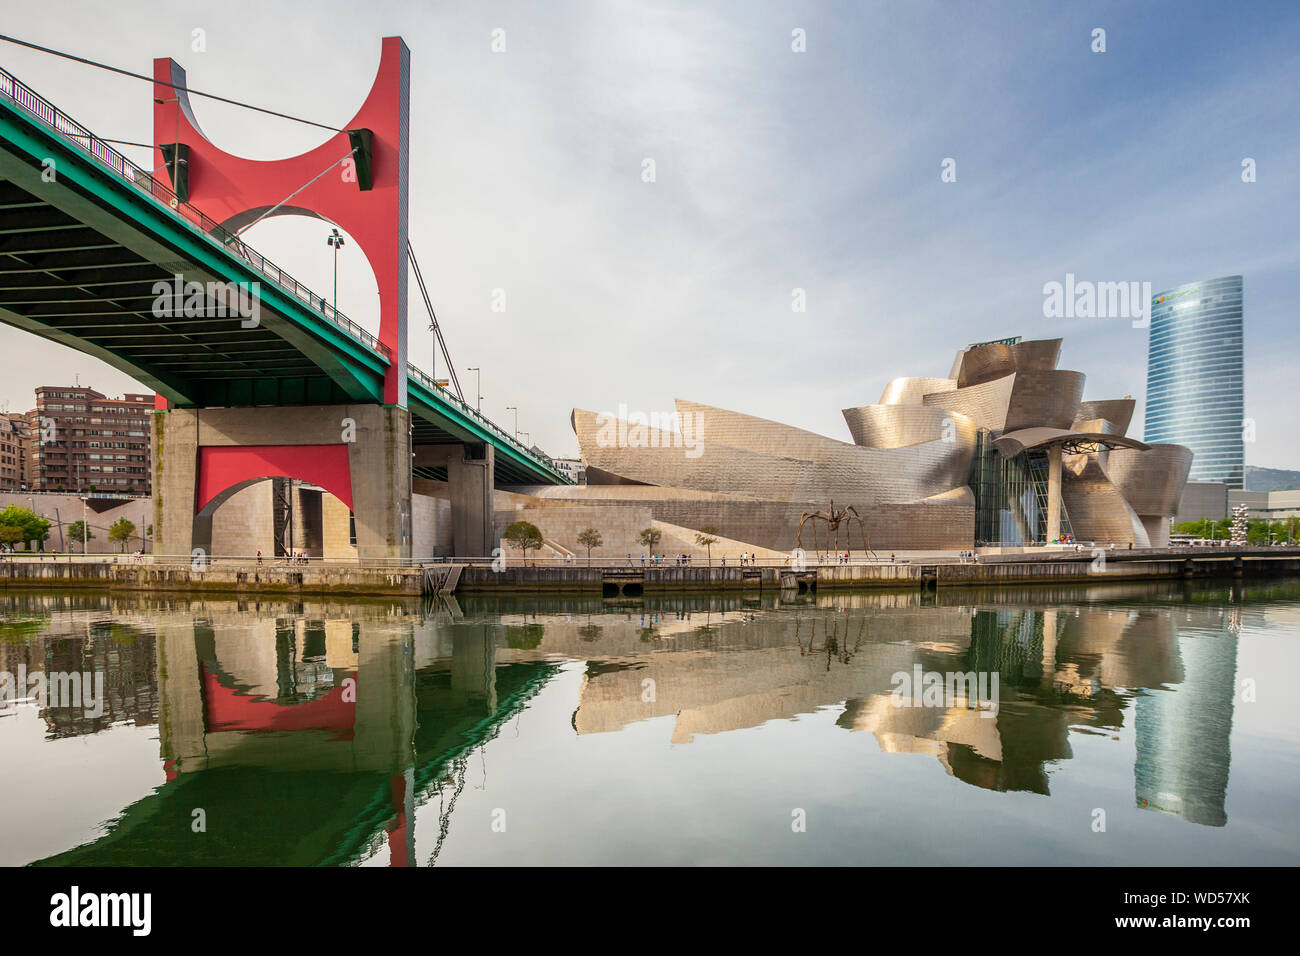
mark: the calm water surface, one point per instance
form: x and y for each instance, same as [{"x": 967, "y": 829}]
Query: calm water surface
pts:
[{"x": 665, "y": 731}]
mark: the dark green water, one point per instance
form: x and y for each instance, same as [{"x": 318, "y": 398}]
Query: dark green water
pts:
[{"x": 669, "y": 731}]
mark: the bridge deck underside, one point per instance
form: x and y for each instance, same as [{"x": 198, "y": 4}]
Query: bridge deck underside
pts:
[{"x": 69, "y": 283}]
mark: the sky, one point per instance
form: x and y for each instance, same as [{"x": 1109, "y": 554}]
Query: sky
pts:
[{"x": 774, "y": 171}]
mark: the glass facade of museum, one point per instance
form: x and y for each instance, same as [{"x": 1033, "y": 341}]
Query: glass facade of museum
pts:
[
  {"x": 1010, "y": 495},
  {"x": 1195, "y": 388}
]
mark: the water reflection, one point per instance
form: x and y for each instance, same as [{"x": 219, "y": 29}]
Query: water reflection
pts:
[{"x": 340, "y": 732}]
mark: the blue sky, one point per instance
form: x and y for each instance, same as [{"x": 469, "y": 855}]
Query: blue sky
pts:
[{"x": 775, "y": 170}]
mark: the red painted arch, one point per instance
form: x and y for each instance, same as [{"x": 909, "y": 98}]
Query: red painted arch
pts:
[
  {"x": 234, "y": 190},
  {"x": 223, "y": 466},
  {"x": 226, "y": 709}
]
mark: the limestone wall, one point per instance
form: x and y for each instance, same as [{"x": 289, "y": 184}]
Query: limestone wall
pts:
[
  {"x": 244, "y": 524},
  {"x": 68, "y": 508}
]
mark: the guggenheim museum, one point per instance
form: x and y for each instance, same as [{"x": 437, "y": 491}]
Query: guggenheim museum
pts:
[{"x": 1002, "y": 452}]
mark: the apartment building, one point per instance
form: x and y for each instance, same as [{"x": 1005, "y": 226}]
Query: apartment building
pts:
[
  {"x": 82, "y": 440},
  {"x": 13, "y": 452}
]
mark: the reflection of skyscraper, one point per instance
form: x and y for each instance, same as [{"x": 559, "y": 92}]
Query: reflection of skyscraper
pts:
[
  {"x": 1195, "y": 379},
  {"x": 1182, "y": 734}
]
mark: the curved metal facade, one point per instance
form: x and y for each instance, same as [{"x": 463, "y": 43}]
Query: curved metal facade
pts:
[
  {"x": 1195, "y": 384},
  {"x": 938, "y": 463}
]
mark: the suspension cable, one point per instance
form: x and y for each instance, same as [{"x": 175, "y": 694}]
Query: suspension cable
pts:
[
  {"x": 175, "y": 86},
  {"x": 337, "y": 162},
  {"x": 434, "y": 324}
]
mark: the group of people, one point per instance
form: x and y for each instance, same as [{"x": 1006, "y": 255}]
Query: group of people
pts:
[
  {"x": 681, "y": 560},
  {"x": 298, "y": 557},
  {"x": 685, "y": 560}
]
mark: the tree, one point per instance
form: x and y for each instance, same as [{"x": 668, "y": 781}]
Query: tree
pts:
[
  {"x": 523, "y": 535},
  {"x": 10, "y": 535},
  {"x": 707, "y": 539},
  {"x": 121, "y": 531},
  {"x": 1206, "y": 528},
  {"x": 650, "y": 538},
  {"x": 80, "y": 532},
  {"x": 590, "y": 538},
  {"x": 525, "y": 637},
  {"x": 33, "y": 528}
]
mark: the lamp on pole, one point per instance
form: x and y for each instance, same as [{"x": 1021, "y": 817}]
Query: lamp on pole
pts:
[
  {"x": 433, "y": 367},
  {"x": 478, "y": 387},
  {"x": 515, "y": 409},
  {"x": 336, "y": 241}
]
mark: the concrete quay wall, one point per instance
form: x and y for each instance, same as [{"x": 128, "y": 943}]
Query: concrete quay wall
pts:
[
  {"x": 215, "y": 578},
  {"x": 623, "y": 581}
]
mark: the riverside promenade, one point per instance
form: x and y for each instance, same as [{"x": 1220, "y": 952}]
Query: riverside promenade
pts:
[{"x": 1040, "y": 566}]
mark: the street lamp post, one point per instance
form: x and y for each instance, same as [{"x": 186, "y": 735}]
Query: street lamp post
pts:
[
  {"x": 336, "y": 241},
  {"x": 433, "y": 366},
  {"x": 515, "y": 409},
  {"x": 478, "y": 387}
]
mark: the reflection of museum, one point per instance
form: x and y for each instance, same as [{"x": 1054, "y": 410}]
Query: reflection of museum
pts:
[
  {"x": 1168, "y": 674},
  {"x": 1002, "y": 451}
]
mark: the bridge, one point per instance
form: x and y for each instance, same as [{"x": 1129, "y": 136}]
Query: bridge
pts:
[{"x": 257, "y": 376}]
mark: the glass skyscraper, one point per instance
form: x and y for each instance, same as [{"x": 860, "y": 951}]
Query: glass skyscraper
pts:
[{"x": 1195, "y": 390}]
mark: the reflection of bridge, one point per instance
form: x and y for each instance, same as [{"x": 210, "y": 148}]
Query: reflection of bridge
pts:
[
  {"x": 94, "y": 249},
  {"x": 286, "y": 768}
]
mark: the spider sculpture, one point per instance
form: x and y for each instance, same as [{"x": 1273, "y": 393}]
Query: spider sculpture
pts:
[
  {"x": 833, "y": 521},
  {"x": 840, "y": 652}
]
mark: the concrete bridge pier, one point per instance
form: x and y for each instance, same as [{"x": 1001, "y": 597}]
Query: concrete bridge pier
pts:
[
  {"x": 361, "y": 454},
  {"x": 471, "y": 476}
]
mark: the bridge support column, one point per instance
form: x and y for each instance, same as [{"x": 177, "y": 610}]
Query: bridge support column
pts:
[
  {"x": 1053, "y": 493},
  {"x": 470, "y": 477},
  {"x": 361, "y": 454}
]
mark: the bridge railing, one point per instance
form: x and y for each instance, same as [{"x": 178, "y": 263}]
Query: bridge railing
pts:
[{"x": 144, "y": 180}]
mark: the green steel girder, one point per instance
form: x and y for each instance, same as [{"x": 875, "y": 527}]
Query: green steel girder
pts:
[
  {"x": 25, "y": 144},
  {"x": 426, "y": 404}
]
